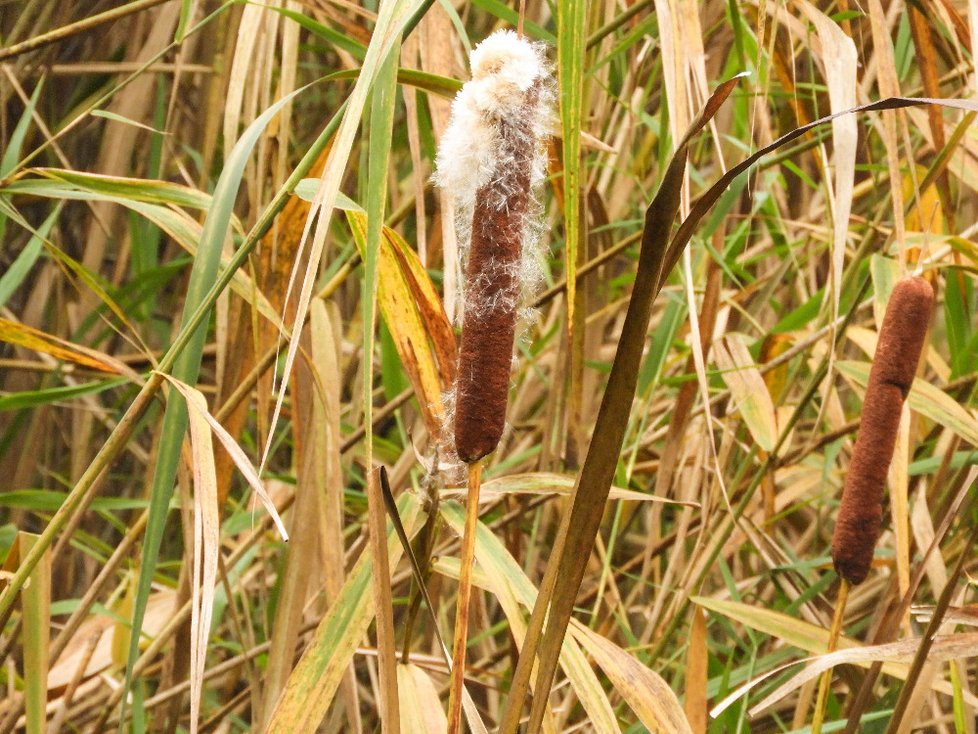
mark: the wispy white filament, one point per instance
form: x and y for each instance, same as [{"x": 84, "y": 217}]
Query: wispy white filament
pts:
[{"x": 510, "y": 81}]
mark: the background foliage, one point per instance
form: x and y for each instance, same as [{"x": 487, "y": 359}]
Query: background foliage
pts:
[{"x": 182, "y": 183}]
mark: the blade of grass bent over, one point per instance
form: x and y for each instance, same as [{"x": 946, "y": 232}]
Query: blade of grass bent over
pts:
[
  {"x": 579, "y": 526},
  {"x": 187, "y": 365}
]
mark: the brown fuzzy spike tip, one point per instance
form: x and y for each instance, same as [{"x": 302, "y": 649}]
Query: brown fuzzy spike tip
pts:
[
  {"x": 898, "y": 350},
  {"x": 902, "y": 334}
]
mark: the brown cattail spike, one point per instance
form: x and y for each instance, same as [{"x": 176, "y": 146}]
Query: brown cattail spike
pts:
[
  {"x": 492, "y": 295},
  {"x": 898, "y": 349},
  {"x": 489, "y": 160}
]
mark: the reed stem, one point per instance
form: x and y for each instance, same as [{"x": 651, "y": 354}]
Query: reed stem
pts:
[
  {"x": 464, "y": 596},
  {"x": 826, "y": 677}
]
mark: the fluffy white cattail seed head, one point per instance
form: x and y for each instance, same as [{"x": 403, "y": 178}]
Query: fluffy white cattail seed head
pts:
[{"x": 511, "y": 80}]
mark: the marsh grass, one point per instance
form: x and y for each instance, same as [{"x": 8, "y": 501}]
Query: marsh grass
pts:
[{"x": 676, "y": 538}]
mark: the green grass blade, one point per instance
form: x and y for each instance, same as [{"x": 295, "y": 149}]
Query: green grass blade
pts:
[
  {"x": 21, "y": 267},
  {"x": 10, "y": 156},
  {"x": 37, "y": 623},
  {"x": 44, "y": 396},
  {"x": 571, "y": 47},
  {"x": 381, "y": 123}
]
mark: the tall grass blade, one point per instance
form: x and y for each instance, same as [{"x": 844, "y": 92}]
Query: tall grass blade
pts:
[
  {"x": 203, "y": 276},
  {"x": 571, "y": 42}
]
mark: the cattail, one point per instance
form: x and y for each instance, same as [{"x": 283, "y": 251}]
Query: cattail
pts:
[
  {"x": 901, "y": 340},
  {"x": 490, "y": 158}
]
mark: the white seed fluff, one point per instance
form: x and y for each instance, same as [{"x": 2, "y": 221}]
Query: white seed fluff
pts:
[{"x": 473, "y": 151}]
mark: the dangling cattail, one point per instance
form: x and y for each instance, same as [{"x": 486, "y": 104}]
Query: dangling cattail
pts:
[
  {"x": 490, "y": 158},
  {"x": 901, "y": 340}
]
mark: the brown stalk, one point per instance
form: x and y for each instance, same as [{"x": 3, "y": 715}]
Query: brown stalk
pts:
[{"x": 579, "y": 526}]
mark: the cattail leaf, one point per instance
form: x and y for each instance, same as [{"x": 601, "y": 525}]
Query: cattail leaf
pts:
[
  {"x": 410, "y": 330},
  {"x": 579, "y": 526},
  {"x": 749, "y": 393},
  {"x": 317, "y": 676},
  {"x": 925, "y": 399}
]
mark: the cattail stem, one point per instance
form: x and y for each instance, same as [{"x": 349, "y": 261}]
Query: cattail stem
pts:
[
  {"x": 898, "y": 349},
  {"x": 826, "y": 677},
  {"x": 464, "y": 596}
]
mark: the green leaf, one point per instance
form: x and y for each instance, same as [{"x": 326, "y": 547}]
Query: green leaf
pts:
[
  {"x": 571, "y": 47},
  {"x": 20, "y": 400},
  {"x": 382, "y": 103},
  {"x": 21, "y": 267},
  {"x": 339, "y": 39},
  {"x": 505, "y": 12}
]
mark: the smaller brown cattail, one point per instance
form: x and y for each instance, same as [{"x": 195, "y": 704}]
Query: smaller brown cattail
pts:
[
  {"x": 489, "y": 160},
  {"x": 898, "y": 349}
]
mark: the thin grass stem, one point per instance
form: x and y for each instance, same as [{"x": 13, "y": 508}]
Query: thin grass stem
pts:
[
  {"x": 464, "y": 596},
  {"x": 826, "y": 678}
]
